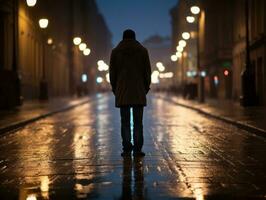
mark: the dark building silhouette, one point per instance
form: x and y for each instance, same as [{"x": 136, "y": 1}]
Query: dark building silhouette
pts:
[{"x": 257, "y": 28}]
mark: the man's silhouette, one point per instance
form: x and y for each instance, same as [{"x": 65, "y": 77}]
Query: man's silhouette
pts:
[{"x": 130, "y": 77}]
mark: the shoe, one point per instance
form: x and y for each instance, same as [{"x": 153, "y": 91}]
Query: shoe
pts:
[
  {"x": 126, "y": 153},
  {"x": 139, "y": 153}
]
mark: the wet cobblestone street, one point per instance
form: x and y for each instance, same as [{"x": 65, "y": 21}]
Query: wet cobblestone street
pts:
[{"x": 76, "y": 154}]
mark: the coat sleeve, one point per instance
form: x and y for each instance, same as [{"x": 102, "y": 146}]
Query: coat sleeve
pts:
[
  {"x": 113, "y": 72},
  {"x": 147, "y": 75}
]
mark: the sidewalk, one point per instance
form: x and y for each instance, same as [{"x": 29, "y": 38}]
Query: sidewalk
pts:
[
  {"x": 252, "y": 119},
  {"x": 33, "y": 110}
]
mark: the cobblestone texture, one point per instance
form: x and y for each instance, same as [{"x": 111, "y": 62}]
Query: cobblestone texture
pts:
[{"x": 76, "y": 154}]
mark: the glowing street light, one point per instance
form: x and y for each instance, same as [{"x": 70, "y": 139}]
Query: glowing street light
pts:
[
  {"x": 100, "y": 62},
  {"x": 87, "y": 52},
  {"x": 160, "y": 66},
  {"x": 107, "y": 77},
  {"x": 186, "y": 35},
  {"x": 50, "y": 41},
  {"x": 31, "y": 3},
  {"x": 99, "y": 79},
  {"x": 82, "y": 46},
  {"x": 174, "y": 58},
  {"x": 179, "y": 49},
  {"x": 102, "y": 66},
  {"x": 195, "y": 10},
  {"x": 84, "y": 78},
  {"x": 77, "y": 40},
  {"x": 178, "y": 54},
  {"x": 43, "y": 23},
  {"x": 190, "y": 19},
  {"x": 167, "y": 75},
  {"x": 182, "y": 43},
  {"x": 155, "y": 77}
]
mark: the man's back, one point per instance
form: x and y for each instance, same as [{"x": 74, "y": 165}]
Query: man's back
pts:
[
  {"x": 130, "y": 76},
  {"x": 130, "y": 73}
]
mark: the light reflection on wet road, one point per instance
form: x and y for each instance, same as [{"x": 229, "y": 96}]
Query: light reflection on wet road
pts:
[{"x": 76, "y": 154}]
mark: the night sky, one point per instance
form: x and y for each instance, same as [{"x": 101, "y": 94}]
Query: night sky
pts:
[{"x": 146, "y": 17}]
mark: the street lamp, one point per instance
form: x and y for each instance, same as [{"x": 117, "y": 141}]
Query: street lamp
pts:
[
  {"x": 43, "y": 23},
  {"x": 182, "y": 43},
  {"x": 186, "y": 35},
  {"x": 195, "y": 10},
  {"x": 178, "y": 54},
  {"x": 190, "y": 19},
  {"x": 248, "y": 96},
  {"x": 86, "y": 52},
  {"x": 99, "y": 79},
  {"x": 82, "y": 46},
  {"x": 174, "y": 58},
  {"x": 76, "y": 40},
  {"x": 50, "y": 41},
  {"x": 160, "y": 66},
  {"x": 31, "y": 3},
  {"x": 179, "y": 49}
]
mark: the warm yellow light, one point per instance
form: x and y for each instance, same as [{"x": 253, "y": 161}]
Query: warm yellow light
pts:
[
  {"x": 182, "y": 43},
  {"x": 107, "y": 77},
  {"x": 43, "y": 23},
  {"x": 174, "y": 58},
  {"x": 159, "y": 64},
  {"x": 31, "y": 197},
  {"x": 82, "y": 46},
  {"x": 167, "y": 75},
  {"x": 77, "y": 41},
  {"x": 31, "y": 3},
  {"x": 178, "y": 54},
  {"x": 190, "y": 19},
  {"x": 179, "y": 48},
  {"x": 87, "y": 52},
  {"x": 186, "y": 35},
  {"x": 155, "y": 77},
  {"x": 100, "y": 62},
  {"x": 195, "y": 10},
  {"x": 102, "y": 66},
  {"x": 50, "y": 41}
]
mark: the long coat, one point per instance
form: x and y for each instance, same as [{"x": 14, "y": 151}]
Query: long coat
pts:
[{"x": 130, "y": 73}]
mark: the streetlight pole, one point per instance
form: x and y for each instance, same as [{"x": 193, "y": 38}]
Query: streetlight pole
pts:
[
  {"x": 195, "y": 10},
  {"x": 43, "y": 83},
  {"x": 18, "y": 98},
  {"x": 201, "y": 93},
  {"x": 248, "y": 96}
]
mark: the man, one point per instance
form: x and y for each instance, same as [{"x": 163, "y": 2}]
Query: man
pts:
[{"x": 130, "y": 77}]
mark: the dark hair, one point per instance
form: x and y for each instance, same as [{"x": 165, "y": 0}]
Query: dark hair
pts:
[{"x": 129, "y": 34}]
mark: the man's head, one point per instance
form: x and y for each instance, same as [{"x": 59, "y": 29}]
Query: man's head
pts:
[{"x": 129, "y": 34}]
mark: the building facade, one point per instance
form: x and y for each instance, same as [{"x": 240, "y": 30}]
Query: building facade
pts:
[
  {"x": 215, "y": 45},
  {"x": 30, "y": 54},
  {"x": 186, "y": 65},
  {"x": 222, "y": 44},
  {"x": 257, "y": 28}
]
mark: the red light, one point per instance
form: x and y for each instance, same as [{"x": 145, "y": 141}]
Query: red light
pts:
[
  {"x": 226, "y": 72},
  {"x": 215, "y": 78}
]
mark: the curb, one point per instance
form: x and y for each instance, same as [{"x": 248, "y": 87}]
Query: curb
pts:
[
  {"x": 20, "y": 124},
  {"x": 247, "y": 127}
]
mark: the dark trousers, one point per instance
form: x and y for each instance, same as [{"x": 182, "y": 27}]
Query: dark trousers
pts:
[{"x": 137, "y": 128}]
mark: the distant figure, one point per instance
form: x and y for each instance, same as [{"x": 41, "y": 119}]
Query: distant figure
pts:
[{"x": 130, "y": 77}]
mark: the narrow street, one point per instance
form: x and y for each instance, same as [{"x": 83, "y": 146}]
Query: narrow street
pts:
[{"x": 76, "y": 154}]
